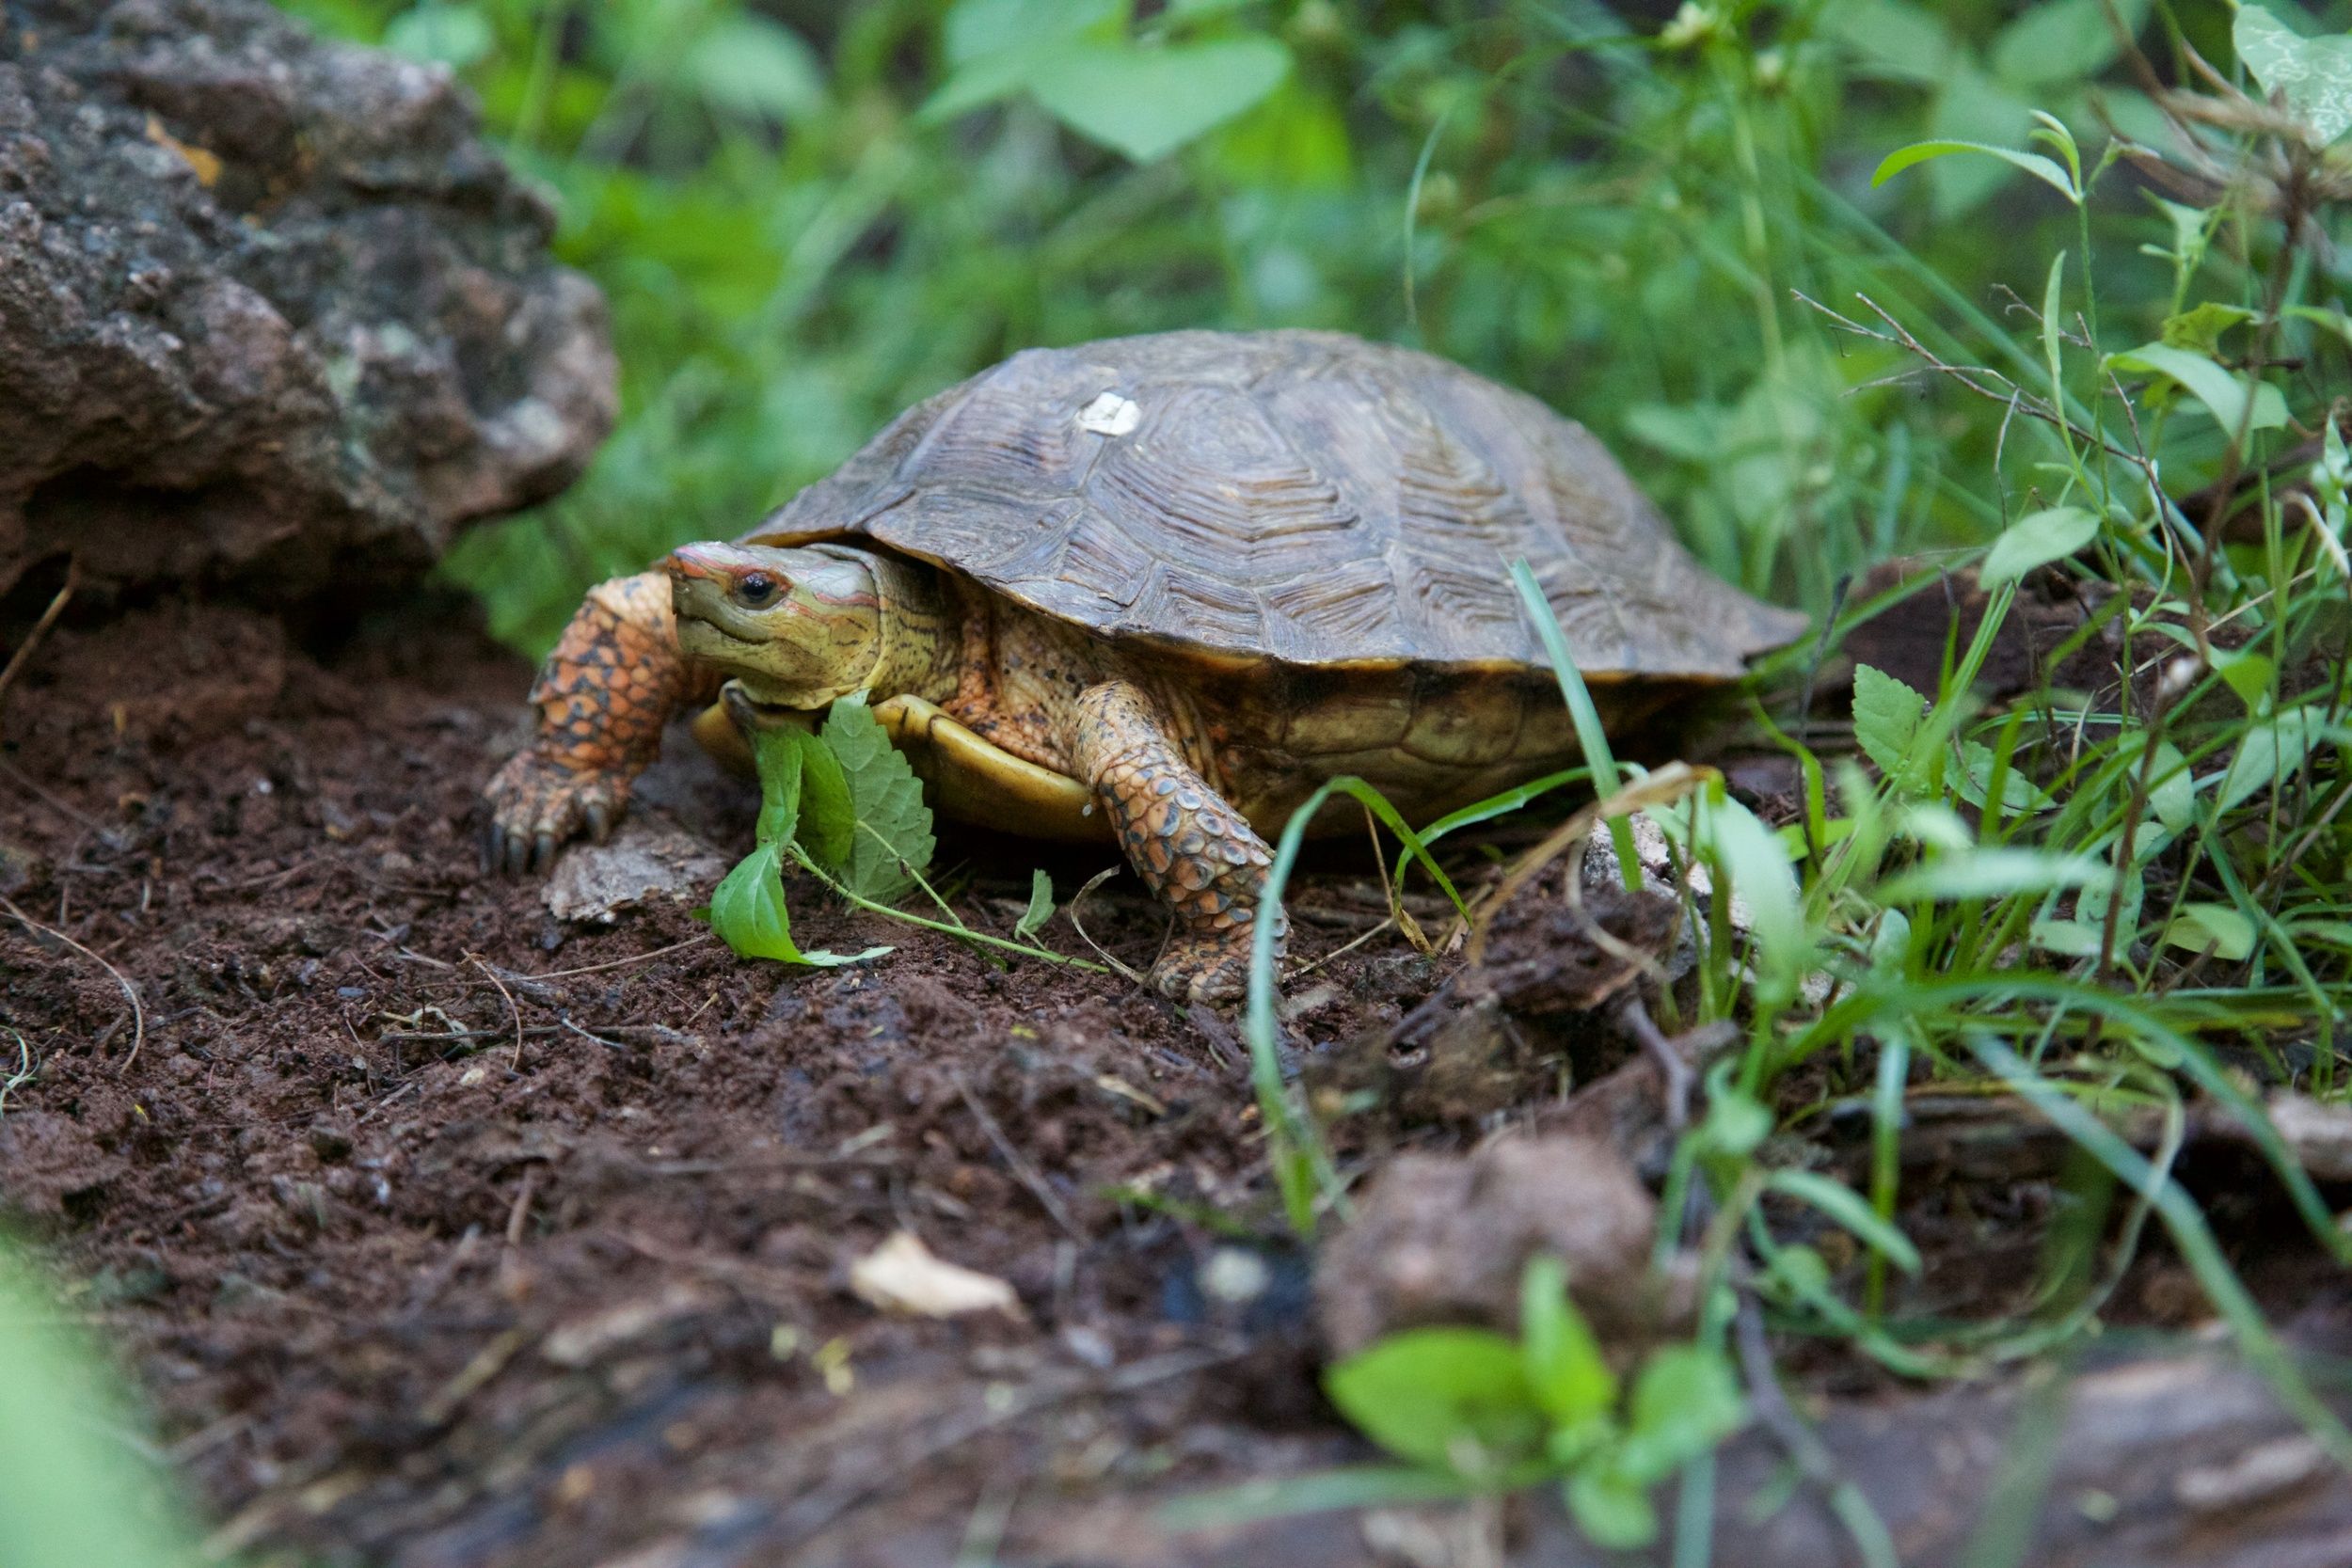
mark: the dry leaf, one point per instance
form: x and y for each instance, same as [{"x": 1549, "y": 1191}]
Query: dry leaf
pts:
[{"x": 903, "y": 1275}]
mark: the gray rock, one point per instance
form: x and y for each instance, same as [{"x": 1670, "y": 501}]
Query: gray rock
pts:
[
  {"x": 270, "y": 312},
  {"x": 648, "y": 859}
]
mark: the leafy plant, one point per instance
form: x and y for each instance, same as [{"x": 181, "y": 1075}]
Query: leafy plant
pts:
[
  {"x": 1477, "y": 1405},
  {"x": 844, "y": 806}
]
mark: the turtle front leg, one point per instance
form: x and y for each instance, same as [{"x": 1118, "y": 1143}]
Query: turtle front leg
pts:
[
  {"x": 1190, "y": 847},
  {"x": 603, "y": 697}
]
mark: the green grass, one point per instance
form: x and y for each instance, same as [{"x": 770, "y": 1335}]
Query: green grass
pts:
[{"x": 1818, "y": 349}]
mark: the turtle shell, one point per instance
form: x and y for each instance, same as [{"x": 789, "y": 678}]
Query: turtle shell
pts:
[{"x": 1305, "y": 497}]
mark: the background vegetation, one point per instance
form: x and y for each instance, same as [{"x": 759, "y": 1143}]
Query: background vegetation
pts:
[{"x": 808, "y": 217}]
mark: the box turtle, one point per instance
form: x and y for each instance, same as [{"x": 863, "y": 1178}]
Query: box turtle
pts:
[{"x": 1183, "y": 578}]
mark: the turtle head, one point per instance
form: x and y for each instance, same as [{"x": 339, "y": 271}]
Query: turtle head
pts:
[{"x": 797, "y": 627}]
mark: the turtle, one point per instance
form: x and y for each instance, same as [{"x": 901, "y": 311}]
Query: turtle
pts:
[{"x": 1152, "y": 592}]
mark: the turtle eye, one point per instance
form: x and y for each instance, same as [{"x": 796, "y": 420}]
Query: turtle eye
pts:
[{"x": 756, "y": 590}]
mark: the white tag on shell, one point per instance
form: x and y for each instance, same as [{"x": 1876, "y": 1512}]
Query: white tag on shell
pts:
[{"x": 1110, "y": 415}]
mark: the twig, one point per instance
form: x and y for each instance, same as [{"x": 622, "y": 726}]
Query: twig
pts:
[
  {"x": 1676, "y": 1072},
  {"x": 81, "y": 818},
  {"x": 23, "y": 655},
  {"x": 138, "y": 1014},
  {"x": 1021, "y": 1167},
  {"x": 1078, "y": 898},
  {"x": 512, "y": 1011},
  {"x": 621, "y": 963}
]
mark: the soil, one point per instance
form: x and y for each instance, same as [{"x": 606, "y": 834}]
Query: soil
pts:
[{"x": 440, "y": 1232}]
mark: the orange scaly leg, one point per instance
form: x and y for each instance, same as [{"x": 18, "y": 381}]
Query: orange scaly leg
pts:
[
  {"x": 1190, "y": 847},
  {"x": 603, "y": 697}
]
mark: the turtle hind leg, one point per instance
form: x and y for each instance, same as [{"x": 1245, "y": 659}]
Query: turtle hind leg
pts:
[
  {"x": 602, "y": 697},
  {"x": 1188, "y": 844}
]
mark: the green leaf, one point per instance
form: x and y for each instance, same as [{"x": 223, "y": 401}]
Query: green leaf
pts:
[
  {"x": 2034, "y": 163},
  {"x": 1614, "y": 1511},
  {"x": 827, "y": 809},
  {"x": 1146, "y": 103},
  {"x": 1737, "y": 1121},
  {"x": 1887, "y": 717},
  {"x": 2312, "y": 76},
  {"x": 2227, "y": 931},
  {"x": 1894, "y": 38},
  {"x": 893, "y": 842},
  {"x": 2266, "y": 754},
  {"x": 2247, "y": 673},
  {"x": 1041, "y": 908},
  {"x": 2018, "y": 792},
  {"x": 2225, "y": 396},
  {"x": 748, "y": 912},
  {"x": 1749, "y": 857},
  {"x": 454, "y": 35},
  {"x": 2062, "y": 41},
  {"x": 1849, "y": 1209},
  {"x": 1685, "y": 1402},
  {"x": 1452, "y": 1396},
  {"x": 780, "y": 759},
  {"x": 1991, "y": 874},
  {"x": 2036, "y": 539},
  {"x": 1566, "y": 1370},
  {"x": 752, "y": 66},
  {"x": 2199, "y": 330},
  {"x": 978, "y": 28},
  {"x": 2171, "y": 790}
]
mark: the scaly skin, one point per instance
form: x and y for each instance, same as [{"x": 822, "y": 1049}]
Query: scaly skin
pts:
[
  {"x": 1189, "y": 845},
  {"x": 603, "y": 697}
]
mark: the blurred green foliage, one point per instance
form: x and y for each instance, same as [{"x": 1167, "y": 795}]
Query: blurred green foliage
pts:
[
  {"x": 808, "y": 216},
  {"x": 82, "y": 1488}
]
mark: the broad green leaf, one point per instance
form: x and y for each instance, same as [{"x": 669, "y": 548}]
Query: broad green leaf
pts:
[
  {"x": 1565, "y": 1371},
  {"x": 2223, "y": 394},
  {"x": 2035, "y": 540},
  {"x": 454, "y": 35},
  {"x": 2062, "y": 41},
  {"x": 1452, "y": 1396},
  {"x": 1614, "y": 1511},
  {"x": 2018, "y": 792},
  {"x": 2034, "y": 163},
  {"x": 1893, "y": 37},
  {"x": 2227, "y": 931},
  {"x": 1991, "y": 874},
  {"x": 2199, "y": 330},
  {"x": 1041, "y": 908},
  {"x": 748, "y": 912},
  {"x": 753, "y": 66},
  {"x": 894, "y": 840},
  {"x": 1849, "y": 1209},
  {"x": 2247, "y": 673},
  {"x": 780, "y": 759},
  {"x": 2171, "y": 790},
  {"x": 2265, "y": 754},
  {"x": 1887, "y": 717},
  {"x": 828, "y": 811},
  {"x": 2312, "y": 76},
  {"x": 1685, "y": 1402},
  {"x": 1147, "y": 102},
  {"x": 978, "y": 28}
]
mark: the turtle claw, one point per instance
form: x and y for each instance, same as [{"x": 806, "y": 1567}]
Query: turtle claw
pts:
[
  {"x": 1209, "y": 968},
  {"x": 539, "y": 803}
]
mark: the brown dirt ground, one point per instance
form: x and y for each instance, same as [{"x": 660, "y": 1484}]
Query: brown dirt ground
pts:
[{"x": 571, "y": 1287}]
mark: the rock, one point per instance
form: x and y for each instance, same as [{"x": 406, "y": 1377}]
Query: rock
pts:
[
  {"x": 648, "y": 859},
  {"x": 1444, "y": 1239},
  {"x": 270, "y": 312}
]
